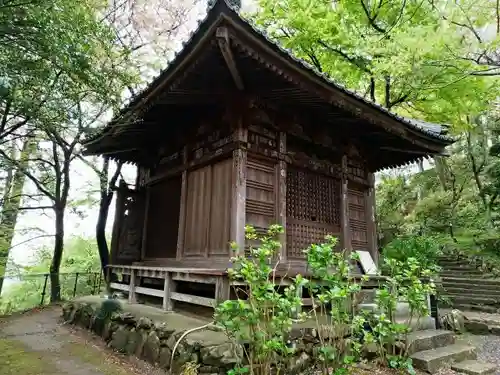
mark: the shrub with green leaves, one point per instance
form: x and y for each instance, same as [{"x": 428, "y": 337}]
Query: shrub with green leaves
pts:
[
  {"x": 425, "y": 249},
  {"x": 261, "y": 318}
]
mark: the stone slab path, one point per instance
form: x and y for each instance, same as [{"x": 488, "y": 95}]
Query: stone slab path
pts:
[{"x": 37, "y": 343}]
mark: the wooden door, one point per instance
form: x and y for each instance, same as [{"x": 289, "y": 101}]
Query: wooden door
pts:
[
  {"x": 163, "y": 219},
  {"x": 208, "y": 210}
]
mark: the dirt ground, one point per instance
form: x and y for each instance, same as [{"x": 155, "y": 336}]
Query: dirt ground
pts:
[{"x": 37, "y": 343}]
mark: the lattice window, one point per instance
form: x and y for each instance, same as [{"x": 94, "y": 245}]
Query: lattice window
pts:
[
  {"x": 312, "y": 197},
  {"x": 300, "y": 236},
  {"x": 357, "y": 219}
]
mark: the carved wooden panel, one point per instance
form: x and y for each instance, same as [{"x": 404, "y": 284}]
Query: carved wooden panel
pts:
[
  {"x": 167, "y": 161},
  {"x": 163, "y": 218},
  {"x": 261, "y": 197},
  {"x": 208, "y": 215},
  {"x": 263, "y": 139},
  {"x": 357, "y": 218},
  {"x": 128, "y": 226},
  {"x": 313, "y": 202},
  {"x": 209, "y": 143},
  {"x": 356, "y": 170}
]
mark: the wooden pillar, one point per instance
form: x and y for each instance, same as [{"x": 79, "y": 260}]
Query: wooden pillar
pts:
[
  {"x": 281, "y": 193},
  {"x": 182, "y": 210},
  {"x": 167, "y": 292},
  {"x": 371, "y": 225},
  {"x": 222, "y": 289},
  {"x": 344, "y": 208},
  {"x": 145, "y": 225},
  {"x": 131, "y": 290},
  {"x": 238, "y": 214}
]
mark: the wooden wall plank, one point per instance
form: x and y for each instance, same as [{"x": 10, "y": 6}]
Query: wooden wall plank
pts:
[
  {"x": 239, "y": 174},
  {"x": 344, "y": 207},
  {"x": 281, "y": 193},
  {"x": 370, "y": 219},
  {"x": 181, "y": 232}
]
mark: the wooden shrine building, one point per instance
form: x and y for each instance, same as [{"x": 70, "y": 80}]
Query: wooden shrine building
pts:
[{"x": 235, "y": 131}]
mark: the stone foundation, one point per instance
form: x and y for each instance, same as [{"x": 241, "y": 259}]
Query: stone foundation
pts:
[{"x": 151, "y": 334}]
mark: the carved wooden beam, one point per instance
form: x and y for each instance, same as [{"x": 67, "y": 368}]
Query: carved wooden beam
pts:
[{"x": 222, "y": 35}]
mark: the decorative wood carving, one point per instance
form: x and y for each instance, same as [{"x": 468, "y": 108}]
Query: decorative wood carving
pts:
[{"x": 128, "y": 226}]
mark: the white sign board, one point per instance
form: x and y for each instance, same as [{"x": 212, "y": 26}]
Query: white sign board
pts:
[{"x": 367, "y": 262}]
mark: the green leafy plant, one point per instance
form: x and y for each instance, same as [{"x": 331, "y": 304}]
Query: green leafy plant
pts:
[
  {"x": 406, "y": 281},
  {"x": 262, "y": 318},
  {"x": 425, "y": 249},
  {"x": 335, "y": 296}
]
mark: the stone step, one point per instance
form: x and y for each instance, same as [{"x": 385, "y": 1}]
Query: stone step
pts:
[
  {"x": 471, "y": 307},
  {"x": 418, "y": 341},
  {"x": 434, "y": 359},
  {"x": 474, "y": 367},
  {"x": 464, "y": 273},
  {"x": 476, "y": 290},
  {"x": 473, "y": 287},
  {"x": 471, "y": 281},
  {"x": 458, "y": 267},
  {"x": 472, "y": 299}
]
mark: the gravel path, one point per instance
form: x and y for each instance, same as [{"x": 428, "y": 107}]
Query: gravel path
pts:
[{"x": 37, "y": 344}]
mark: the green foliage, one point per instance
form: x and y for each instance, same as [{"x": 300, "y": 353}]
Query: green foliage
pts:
[
  {"x": 263, "y": 316},
  {"x": 425, "y": 249},
  {"x": 402, "y": 54},
  {"x": 80, "y": 256}
]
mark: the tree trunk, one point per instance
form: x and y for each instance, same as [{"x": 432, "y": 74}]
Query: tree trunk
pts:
[
  {"x": 102, "y": 219},
  {"x": 10, "y": 207},
  {"x": 55, "y": 286},
  {"x": 440, "y": 165},
  {"x": 106, "y": 188}
]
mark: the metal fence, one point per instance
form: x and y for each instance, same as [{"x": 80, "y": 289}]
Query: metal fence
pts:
[{"x": 22, "y": 292}]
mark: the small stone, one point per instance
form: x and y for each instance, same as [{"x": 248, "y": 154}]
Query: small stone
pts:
[
  {"x": 124, "y": 318},
  {"x": 298, "y": 364},
  {"x": 85, "y": 317},
  {"x": 144, "y": 323},
  {"x": 495, "y": 330},
  {"x": 454, "y": 321},
  {"x": 164, "y": 358},
  {"x": 208, "y": 370},
  {"x": 67, "y": 311},
  {"x": 223, "y": 355},
  {"x": 119, "y": 339},
  {"x": 136, "y": 340},
  {"x": 163, "y": 331},
  {"x": 151, "y": 349},
  {"x": 475, "y": 327}
]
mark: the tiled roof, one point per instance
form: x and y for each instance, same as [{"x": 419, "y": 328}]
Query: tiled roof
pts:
[{"x": 435, "y": 130}]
